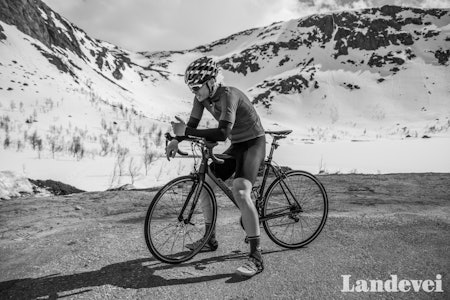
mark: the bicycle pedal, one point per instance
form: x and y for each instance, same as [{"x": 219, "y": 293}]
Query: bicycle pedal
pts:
[{"x": 246, "y": 240}]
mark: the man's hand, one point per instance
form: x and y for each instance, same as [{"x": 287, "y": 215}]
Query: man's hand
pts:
[
  {"x": 179, "y": 128},
  {"x": 171, "y": 149}
]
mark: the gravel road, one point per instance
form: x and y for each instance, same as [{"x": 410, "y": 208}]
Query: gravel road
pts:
[{"x": 91, "y": 246}]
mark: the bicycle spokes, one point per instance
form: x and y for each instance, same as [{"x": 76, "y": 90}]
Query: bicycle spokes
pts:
[
  {"x": 295, "y": 209},
  {"x": 175, "y": 220}
]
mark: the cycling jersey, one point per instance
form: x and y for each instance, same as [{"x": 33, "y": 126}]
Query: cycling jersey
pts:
[{"x": 231, "y": 105}]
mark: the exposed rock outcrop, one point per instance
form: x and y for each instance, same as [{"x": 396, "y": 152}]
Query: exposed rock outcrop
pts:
[{"x": 36, "y": 19}]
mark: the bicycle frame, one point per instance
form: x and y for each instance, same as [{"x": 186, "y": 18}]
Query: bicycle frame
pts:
[
  {"x": 268, "y": 166},
  {"x": 169, "y": 232}
]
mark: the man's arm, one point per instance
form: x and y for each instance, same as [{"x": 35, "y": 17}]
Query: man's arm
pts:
[
  {"x": 229, "y": 105},
  {"x": 214, "y": 134},
  {"x": 192, "y": 123}
]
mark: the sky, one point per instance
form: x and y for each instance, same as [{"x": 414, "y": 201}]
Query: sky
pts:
[{"x": 154, "y": 25}]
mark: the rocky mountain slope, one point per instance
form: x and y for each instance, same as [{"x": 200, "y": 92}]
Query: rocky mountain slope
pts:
[
  {"x": 282, "y": 59},
  {"x": 69, "y": 48},
  {"x": 378, "y": 40}
]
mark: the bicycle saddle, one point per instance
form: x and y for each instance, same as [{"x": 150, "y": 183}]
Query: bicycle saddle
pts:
[{"x": 278, "y": 133}]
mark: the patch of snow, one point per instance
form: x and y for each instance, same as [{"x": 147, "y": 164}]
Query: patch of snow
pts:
[
  {"x": 43, "y": 14},
  {"x": 60, "y": 25},
  {"x": 13, "y": 185}
]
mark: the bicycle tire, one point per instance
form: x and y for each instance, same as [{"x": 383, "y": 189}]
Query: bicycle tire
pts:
[
  {"x": 166, "y": 235},
  {"x": 290, "y": 231}
]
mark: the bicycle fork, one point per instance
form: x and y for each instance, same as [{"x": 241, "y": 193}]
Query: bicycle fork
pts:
[{"x": 194, "y": 192}]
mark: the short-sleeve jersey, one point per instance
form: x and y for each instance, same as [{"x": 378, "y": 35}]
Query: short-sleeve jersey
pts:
[{"x": 232, "y": 105}]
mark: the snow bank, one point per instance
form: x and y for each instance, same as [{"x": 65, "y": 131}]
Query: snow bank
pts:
[{"x": 13, "y": 185}]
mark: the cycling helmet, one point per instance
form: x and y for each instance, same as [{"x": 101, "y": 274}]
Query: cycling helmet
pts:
[{"x": 200, "y": 71}]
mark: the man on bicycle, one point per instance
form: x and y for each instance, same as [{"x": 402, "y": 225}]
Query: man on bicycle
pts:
[{"x": 238, "y": 121}]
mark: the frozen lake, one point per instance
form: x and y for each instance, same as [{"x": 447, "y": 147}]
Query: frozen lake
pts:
[{"x": 378, "y": 156}]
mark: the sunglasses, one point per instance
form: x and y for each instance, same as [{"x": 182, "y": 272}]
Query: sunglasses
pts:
[{"x": 195, "y": 87}]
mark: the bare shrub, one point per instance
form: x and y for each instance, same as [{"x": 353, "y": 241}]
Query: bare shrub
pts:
[
  {"x": 118, "y": 169},
  {"x": 159, "y": 138},
  {"x": 55, "y": 144},
  {"x": 20, "y": 145},
  {"x": 133, "y": 169},
  {"x": 122, "y": 153},
  {"x": 104, "y": 145},
  {"x": 25, "y": 136},
  {"x": 148, "y": 159},
  {"x": 39, "y": 147},
  {"x": 152, "y": 129},
  {"x": 76, "y": 147},
  {"x": 110, "y": 131},
  {"x": 104, "y": 124},
  {"x": 148, "y": 155},
  {"x": 6, "y": 142},
  {"x": 34, "y": 140},
  {"x": 54, "y": 139},
  {"x": 138, "y": 129}
]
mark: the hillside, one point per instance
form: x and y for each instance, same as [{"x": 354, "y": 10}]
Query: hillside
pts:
[{"x": 96, "y": 113}]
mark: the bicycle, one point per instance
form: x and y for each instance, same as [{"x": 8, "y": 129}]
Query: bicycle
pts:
[{"x": 293, "y": 209}]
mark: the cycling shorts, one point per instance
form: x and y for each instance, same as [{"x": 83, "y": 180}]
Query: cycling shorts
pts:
[{"x": 246, "y": 159}]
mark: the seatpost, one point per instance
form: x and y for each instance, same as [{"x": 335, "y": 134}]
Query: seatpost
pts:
[
  {"x": 272, "y": 149},
  {"x": 267, "y": 165}
]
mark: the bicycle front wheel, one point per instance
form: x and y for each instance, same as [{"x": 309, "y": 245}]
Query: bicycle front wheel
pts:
[
  {"x": 295, "y": 209},
  {"x": 176, "y": 218}
]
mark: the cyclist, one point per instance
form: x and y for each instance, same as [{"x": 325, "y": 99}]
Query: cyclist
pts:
[{"x": 237, "y": 120}]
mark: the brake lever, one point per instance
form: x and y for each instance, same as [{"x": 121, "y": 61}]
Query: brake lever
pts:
[{"x": 210, "y": 145}]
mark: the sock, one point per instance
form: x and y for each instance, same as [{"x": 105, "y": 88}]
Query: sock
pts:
[
  {"x": 255, "y": 248},
  {"x": 213, "y": 234}
]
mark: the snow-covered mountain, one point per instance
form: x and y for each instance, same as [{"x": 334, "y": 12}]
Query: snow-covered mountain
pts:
[
  {"x": 358, "y": 66},
  {"x": 365, "y": 74}
]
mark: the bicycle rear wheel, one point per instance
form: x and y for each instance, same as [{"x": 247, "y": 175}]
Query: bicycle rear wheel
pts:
[
  {"x": 295, "y": 208},
  {"x": 170, "y": 233}
]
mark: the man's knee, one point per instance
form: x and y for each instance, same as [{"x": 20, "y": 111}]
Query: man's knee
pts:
[{"x": 242, "y": 188}]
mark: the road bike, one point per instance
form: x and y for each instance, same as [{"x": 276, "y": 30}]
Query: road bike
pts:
[{"x": 292, "y": 209}]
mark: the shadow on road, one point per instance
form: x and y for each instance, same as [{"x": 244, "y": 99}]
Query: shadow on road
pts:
[{"x": 133, "y": 274}]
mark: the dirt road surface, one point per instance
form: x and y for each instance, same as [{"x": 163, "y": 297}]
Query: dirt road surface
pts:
[{"x": 91, "y": 246}]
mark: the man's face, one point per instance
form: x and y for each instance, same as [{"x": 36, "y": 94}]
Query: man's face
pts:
[{"x": 200, "y": 91}]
